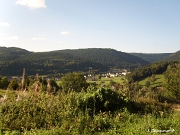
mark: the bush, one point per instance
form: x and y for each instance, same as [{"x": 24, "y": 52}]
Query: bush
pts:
[
  {"x": 35, "y": 110},
  {"x": 101, "y": 99},
  {"x": 74, "y": 82},
  {"x": 87, "y": 112},
  {"x": 13, "y": 85}
]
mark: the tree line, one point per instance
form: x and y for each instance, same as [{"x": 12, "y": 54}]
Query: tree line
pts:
[{"x": 64, "y": 61}]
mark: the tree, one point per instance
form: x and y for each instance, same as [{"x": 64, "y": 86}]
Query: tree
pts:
[
  {"x": 4, "y": 83},
  {"x": 13, "y": 84},
  {"x": 172, "y": 76},
  {"x": 147, "y": 84},
  {"x": 74, "y": 82}
]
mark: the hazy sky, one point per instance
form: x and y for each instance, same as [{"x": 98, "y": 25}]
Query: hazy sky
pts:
[{"x": 125, "y": 25}]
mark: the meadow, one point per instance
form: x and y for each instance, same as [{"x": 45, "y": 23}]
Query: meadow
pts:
[
  {"x": 106, "y": 81},
  {"x": 159, "y": 80}
]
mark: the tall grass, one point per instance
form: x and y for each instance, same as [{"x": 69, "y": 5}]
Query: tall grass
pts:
[{"x": 92, "y": 112}]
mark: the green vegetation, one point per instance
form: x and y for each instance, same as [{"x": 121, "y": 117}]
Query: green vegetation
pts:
[
  {"x": 106, "y": 81},
  {"x": 159, "y": 80},
  {"x": 142, "y": 102},
  {"x": 4, "y": 83},
  {"x": 154, "y": 57},
  {"x": 172, "y": 76},
  {"x": 151, "y": 57},
  {"x": 147, "y": 71},
  {"x": 81, "y": 109},
  {"x": 73, "y": 82},
  {"x": 13, "y": 60},
  {"x": 173, "y": 57},
  {"x": 97, "y": 111}
]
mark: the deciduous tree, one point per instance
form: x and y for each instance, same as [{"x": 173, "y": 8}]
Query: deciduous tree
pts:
[{"x": 74, "y": 82}]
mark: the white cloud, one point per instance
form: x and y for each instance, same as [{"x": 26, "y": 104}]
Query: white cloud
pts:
[
  {"x": 32, "y": 3},
  {"x": 38, "y": 38},
  {"x": 64, "y": 32},
  {"x": 4, "y": 24}
]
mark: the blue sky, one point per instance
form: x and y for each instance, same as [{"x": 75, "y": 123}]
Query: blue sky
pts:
[{"x": 147, "y": 26}]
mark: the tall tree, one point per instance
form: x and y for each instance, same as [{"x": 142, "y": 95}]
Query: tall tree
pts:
[
  {"x": 74, "y": 82},
  {"x": 172, "y": 76}
]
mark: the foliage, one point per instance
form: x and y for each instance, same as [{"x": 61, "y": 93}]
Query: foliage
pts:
[
  {"x": 172, "y": 76},
  {"x": 109, "y": 57},
  {"x": 151, "y": 57},
  {"x": 101, "y": 99},
  {"x": 63, "y": 61},
  {"x": 44, "y": 85},
  {"x": 4, "y": 83},
  {"x": 147, "y": 84},
  {"x": 13, "y": 85},
  {"x": 173, "y": 57},
  {"x": 74, "y": 82},
  {"x": 70, "y": 113},
  {"x": 149, "y": 70},
  {"x": 26, "y": 111},
  {"x": 12, "y": 53},
  {"x": 157, "y": 81}
]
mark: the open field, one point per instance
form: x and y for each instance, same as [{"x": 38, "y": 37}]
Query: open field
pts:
[
  {"x": 106, "y": 81},
  {"x": 158, "y": 81}
]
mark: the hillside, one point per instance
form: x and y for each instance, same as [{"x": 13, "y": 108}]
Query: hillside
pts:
[
  {"x": 12, "y": 53},
  {"x": 108, "y": 57},
  {"x": 149, "y": 70},
  {"x": 13, "y": 60},
  {"x": 151, "y": 57},
  {"x": 173, "y": 57}
]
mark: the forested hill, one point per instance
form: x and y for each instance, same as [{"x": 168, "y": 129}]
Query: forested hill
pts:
[
  {"x": 151, "y": 57},
  {"x": 12, "y": 53},
  {"x": 108, "y": 57},
  {"x": 173, "y": 57},
  {"x": 13, "y": 60}
]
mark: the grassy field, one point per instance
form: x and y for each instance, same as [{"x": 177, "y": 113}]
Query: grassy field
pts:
[
  {"x": 106, "y": 81},
  {"x": 158, "y": 81}
]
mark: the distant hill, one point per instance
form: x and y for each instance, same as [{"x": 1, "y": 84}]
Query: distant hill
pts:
[
  {"x": 173, "y": 57},
  {"x": 13, "y": 60},
  {"x": 108, "y": 57},
  {"x": 151, "y": 57},
  {"x": 12, "y": 53}
]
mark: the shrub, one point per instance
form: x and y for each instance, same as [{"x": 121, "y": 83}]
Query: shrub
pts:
[
  {"x": 101, "y": 99},
  {"x": 34, "y": 110},
  {"x": 74, "y": 82}
]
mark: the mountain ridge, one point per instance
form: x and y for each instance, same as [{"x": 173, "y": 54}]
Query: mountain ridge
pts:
[{"x": 13, "y": 60}]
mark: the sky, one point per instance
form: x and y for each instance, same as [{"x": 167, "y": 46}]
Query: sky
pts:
[{"x": 143, "y": 26}]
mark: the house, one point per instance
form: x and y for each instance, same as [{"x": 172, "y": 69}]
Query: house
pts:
[
  {"x": 112, "y": 74},
  {"x": 123, "y": 73}
]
